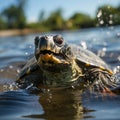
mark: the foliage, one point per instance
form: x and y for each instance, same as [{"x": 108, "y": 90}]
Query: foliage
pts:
[
  {"x": 15, "y": 16},
  {"x": 79, "y": 20},
  {"x": 55, "y": 21},
  {"x": 2, "y": 23},
  {"x": 108, "y": 15}
]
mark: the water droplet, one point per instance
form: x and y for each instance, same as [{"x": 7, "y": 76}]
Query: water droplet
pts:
[
  {"x": 48, "y": 90},
  {"x": 96, "y": 82},
  {"x": 104, "y": 49},
  {"x": 117, "y": 69},
  {"x": 18, "y": 71},
  {"x": 111, "y": 16},
  {"x": 118, "y": 34},
  {"x": 5, "y": 87},
  {"x": 50, "y": 96},
  {"x": 73, "y": 87},
  {"x": 99, "y": 13},
  {"x": 118, "y": 58},
  {"x": 30, "y": 46},
  {"x": 102, "y": 52},
  {"x": 101, "y": 22},
  {"x": 26, "y": 53},
  {"x": 10, "y": 66},
  {"x": 110, "y": 22},
  {"x": 30, "y": 86},
  {"x": 11, "y": 88},
  {"x": 83, "y": 44}
]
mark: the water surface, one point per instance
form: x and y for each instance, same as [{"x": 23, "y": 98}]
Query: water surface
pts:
[{"x": 57, "y": 104}]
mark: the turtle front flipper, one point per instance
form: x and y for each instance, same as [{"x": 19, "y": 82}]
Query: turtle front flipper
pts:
[
  {"x": 97, "y": 78},
  {"x": 26, "y": 76},
  {"x": 30, "y": 67},
  {"x": 27, "y": 70},
  {"x": 100, "y": 80}
]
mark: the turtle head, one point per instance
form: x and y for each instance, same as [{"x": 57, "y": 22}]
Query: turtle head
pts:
[{"x": 52, "y": 53}]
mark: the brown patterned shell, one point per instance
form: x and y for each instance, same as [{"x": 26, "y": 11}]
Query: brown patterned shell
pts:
[{"x": 89, "y": 58}]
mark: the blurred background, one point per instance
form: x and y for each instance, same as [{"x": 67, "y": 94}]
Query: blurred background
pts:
[
  {"x": 51, "y": 15},
  {"x": 91, "y": 24}
]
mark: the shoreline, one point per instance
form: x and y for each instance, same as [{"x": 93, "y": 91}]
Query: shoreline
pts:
[
  {"x": 26, "y": 31},
  {"x": 14, "y": 32}
]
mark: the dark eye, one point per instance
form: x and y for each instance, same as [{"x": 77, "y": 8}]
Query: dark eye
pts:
[{"x": 58, "y": 40}]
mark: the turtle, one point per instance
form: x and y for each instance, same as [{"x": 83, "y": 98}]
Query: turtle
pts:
[{"x": 58, "y": 64}]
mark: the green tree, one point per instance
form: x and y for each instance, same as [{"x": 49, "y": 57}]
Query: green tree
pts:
[
  {"x": 108, "y": 15},
  {"x": 79, "y": 20},
  {"x": 55, "y": 21},
  {"x": 15, "y": 16},
  {"x": 117, "y": 16},
  {"x": 2, "y": 24},
  {"x": 21, "y": 18}
]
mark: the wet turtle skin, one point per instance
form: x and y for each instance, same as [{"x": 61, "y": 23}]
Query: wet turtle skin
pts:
[{"x": 57, "y": 64}]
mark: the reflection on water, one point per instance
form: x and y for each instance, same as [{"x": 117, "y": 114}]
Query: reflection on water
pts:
[
  {"x": 57, "y": 104},
  {"x": 61, "y": 104},
  {"x": 14, "y": 104}
]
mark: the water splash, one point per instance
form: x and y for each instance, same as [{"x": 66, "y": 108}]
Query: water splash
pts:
[
  {"x": 102, "y": 52},
  {"x": 11, "y": 67},
  {"x": 101, "y": 22},
  {"x": 83, "y": 44},
  {"x": 99, "y": 13},
  {"x": 118, "y": 58},
  {"x": 29, "y": 50},
  {"x": 117, "y": 69},
  {"x": 26, "y": 53},
  {"x": 118, "y": 34},
  {"x": 8, "y": 87}
]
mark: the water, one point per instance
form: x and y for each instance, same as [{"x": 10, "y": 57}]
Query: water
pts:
[{"x": 57, "y": 104}]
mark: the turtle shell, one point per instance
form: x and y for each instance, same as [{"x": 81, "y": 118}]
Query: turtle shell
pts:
[
  {"x": 82, "y": 57},
  {"x": 88, "y": 58}
]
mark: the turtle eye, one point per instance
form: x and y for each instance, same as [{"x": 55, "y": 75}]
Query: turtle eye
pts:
[{"x": 58, "y": 39}]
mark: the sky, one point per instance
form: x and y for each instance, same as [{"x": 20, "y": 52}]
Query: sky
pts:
[{"x": 34, "y": 7}]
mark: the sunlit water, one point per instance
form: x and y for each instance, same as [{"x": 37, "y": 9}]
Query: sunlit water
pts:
[{"x": 66, "y": 104}]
